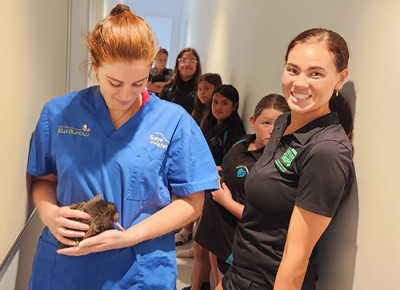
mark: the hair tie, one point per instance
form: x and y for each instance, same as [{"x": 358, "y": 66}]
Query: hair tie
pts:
[{"x": 119, "y": 9}]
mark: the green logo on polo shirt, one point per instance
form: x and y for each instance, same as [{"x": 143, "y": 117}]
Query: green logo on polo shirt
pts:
[{"x": 287, "y": 159}]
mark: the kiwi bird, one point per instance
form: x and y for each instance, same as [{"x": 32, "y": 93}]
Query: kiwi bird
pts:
[{"x": 103, "y": 214}]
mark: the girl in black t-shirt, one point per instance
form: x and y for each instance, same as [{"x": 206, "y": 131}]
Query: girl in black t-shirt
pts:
[
  {"x": 206, "y": 84},
  {"x": 222, "y": 128},
  {"x": 224, "y": 208}
]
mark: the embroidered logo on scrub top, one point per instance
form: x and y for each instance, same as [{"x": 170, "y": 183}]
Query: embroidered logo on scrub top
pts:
[
  {"x": 287, "y": 159},
  {"x": 159, "y": 140},
  {"x": 83, "y": 131},
  {"x": 242, "y": 171}
]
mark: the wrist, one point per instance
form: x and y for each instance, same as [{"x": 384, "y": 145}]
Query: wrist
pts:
[
  {"x": 133, "y": 236},
  {"x": 46, "y": 212}
]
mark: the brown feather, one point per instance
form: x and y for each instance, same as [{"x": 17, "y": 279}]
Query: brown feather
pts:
[{"x": 104, "y": 214}]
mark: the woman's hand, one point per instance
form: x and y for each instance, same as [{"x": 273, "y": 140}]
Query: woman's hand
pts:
[
  {"x": 107, "y": 240},
  {"x": 60, "y": 223},
  {"x": 57, "y": 219}
]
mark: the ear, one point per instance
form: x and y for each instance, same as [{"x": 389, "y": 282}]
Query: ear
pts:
[
  {"x": 342, "y": 78},
  {"x": 253, "y": 123}
]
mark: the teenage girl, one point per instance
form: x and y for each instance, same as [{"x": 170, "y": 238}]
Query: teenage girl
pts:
[
  {"x": 222, "y": 128},
  {"x": 206, "y": 85}
]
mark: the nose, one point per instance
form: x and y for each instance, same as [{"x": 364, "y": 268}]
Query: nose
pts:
[
  {"x": 300, "y": 80},
  {"x": 270, "y": 129},
  {"x": 126, "y": 94},
  {"x": 216, "y": 107}
]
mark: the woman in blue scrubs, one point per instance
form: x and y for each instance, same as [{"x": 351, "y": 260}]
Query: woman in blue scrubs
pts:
[{"x": 135, "y": 149}]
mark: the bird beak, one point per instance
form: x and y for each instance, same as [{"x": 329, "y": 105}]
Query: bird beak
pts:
[{"x": 119, "y": 226}]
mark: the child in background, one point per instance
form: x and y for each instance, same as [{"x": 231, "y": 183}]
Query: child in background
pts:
[
  {"x": 224, "y": 207},
  {"x": 159, "y": 74},
  {"x": 206, "y": 85},
  {"x": 222, "y": 128}
]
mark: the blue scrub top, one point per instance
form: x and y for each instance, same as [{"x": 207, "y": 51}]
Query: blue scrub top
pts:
[{"x": 160, "y": 148}]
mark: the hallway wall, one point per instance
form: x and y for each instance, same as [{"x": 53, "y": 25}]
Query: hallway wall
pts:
[
  {"x": 245, "y": 41},
  {"x": 33, "y": 69}
]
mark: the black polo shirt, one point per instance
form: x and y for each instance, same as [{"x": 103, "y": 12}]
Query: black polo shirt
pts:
[
  {"x": 311, "y": 168},
  {"x": 217, "y": 226}
]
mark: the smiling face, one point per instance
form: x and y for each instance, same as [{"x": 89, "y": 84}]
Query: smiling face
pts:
[
  {"x": 309, "y": 79},
  {"x": 187, "y": 68},
  {"x": 263, "y": 126},
  {"x": 204, "y": 92},
  {"x": 221, "y": 107},
  {"x": 121, "y": 83}
]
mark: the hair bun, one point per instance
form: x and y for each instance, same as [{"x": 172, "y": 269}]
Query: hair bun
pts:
[{"x": 119, "y": 9}]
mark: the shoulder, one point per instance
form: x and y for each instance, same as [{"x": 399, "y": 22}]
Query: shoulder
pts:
[
  {"x": 335, "y": 157},
  {"x": 70, "y": 99},
  {"x": 331, "y": 136},
  {"x": 244, "y": 141},
  {"x": 236, "y": 130}
]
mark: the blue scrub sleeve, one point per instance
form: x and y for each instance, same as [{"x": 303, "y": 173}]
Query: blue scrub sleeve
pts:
[
  {"x": 191, "y": 167},
  {"x": 40, "y": 160}
]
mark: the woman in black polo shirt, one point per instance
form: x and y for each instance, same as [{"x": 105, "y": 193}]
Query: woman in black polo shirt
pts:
[
  {"x": 306, "y": 170},
  {"x": 223, "y": 209}
]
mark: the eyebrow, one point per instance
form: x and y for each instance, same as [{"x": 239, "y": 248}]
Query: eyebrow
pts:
[
  {"x": 113, "y": 79},
  {"x": 310, "y": 68}
]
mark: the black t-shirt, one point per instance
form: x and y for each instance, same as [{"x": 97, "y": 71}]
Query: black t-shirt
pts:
[
  {"x": 156, "y": 76},
  {"x": 311, "y": 168},
  {"x": 220, "y": 141},
  {"x": 184, "y": 94},
  {"x": 217, "y": 226}
]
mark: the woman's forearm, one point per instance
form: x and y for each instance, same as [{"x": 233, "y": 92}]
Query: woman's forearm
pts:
[
  {"x": 43, "y": 192},
  {"x": 180, "y": 212}
]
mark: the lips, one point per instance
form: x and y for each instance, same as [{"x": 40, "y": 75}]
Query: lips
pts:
[
  {"x": 301, "y": 96},
  {"x": 124, "y": 103}
]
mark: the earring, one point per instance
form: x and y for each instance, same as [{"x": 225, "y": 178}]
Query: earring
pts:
[{"x": 337, "y": 93}]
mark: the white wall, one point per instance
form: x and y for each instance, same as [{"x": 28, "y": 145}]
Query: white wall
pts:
[
  {"x": 32, "y": 70},
  {"x": 245, "y": 41},
  {"x": 167, "y": 9}
]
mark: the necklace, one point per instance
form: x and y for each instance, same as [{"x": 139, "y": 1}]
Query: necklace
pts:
[{"x": 128, "y": 113}]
